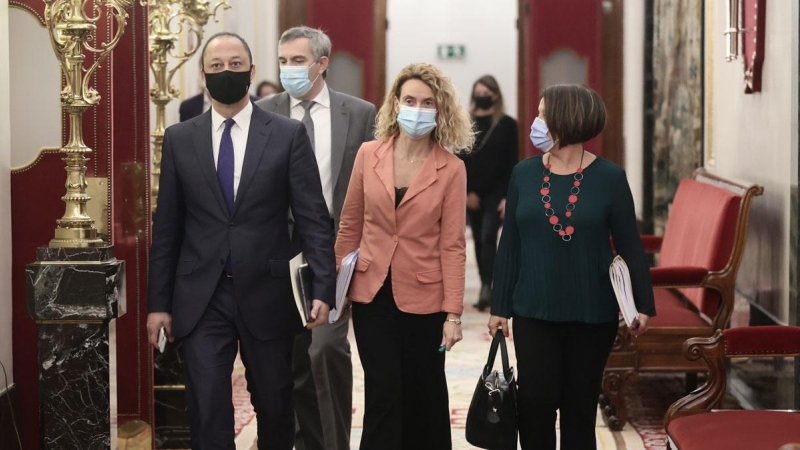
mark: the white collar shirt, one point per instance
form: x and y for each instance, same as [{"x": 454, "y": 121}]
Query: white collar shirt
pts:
[
  {"x": 239, "y": 134},
  {"x": 321, "y": 115}
]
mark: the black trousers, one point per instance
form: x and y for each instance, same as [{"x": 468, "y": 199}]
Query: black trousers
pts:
[
  {"x": 406, "y": 402},
  {"x": 209, "y": 353},
  {"x": 485, "y": 223},
  {"x": 560, "y": 368}
]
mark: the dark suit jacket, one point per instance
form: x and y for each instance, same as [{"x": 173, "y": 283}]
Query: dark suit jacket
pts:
[
  {"x": 191, "y": 107},
  {"x": 193, "y": 233},
  {"x": 352, "y": 124}
]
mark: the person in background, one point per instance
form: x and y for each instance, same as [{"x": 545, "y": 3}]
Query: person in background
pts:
[
  {"x": 337, "y": 125},
  {"x": 194, "y": 106},
  {"x": 489, "y": 166},
  {"x": 405, "y": 211},
  {"x": 551, "y": 272},
  {"x": 219, "y": 262},
  {"x": 266, "y": 88}
]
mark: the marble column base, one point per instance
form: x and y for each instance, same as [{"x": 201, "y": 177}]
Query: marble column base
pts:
[
  {"x": 171, "y": 421},
  {"x": 75, "y": 295}
]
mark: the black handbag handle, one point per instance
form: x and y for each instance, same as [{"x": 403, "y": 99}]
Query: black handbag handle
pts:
[{"x": 498, "y": 341}]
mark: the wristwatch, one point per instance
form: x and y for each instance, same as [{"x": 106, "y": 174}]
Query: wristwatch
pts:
[{"x": 455, "y": 321}]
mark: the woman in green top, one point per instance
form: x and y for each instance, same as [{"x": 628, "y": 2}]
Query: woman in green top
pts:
[{"x": 551, "y": 271}]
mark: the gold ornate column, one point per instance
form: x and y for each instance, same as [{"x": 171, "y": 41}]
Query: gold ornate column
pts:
[
  {"x": 168, "y": 20},
  {"x": 76, "y": 287},
  {"x": 71, "y": 32}
]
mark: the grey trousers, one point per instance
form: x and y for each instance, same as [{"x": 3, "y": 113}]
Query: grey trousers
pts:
[{"x": 323, "y": 387}]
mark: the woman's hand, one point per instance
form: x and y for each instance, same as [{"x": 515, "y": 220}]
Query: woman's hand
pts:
[
  {"x": 451, "y": 331},
  {"x": 644, "y": 324},
  {"x": 473, "y": 202},
  {"x": 497, "y": 322},
  {"x": 501, "y": 208}
]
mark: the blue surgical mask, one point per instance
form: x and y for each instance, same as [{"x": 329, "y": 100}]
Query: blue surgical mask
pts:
[
  {"x": 416, "y": 122},
  {"x": 295, "y": 80},
  {"x": 539, "y": 136}
]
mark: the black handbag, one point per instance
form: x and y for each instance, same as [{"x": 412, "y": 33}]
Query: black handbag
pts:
[{"x": 492, "y": 416}]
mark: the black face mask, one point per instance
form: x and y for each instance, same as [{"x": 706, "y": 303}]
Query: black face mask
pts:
[
  {"x": 484, "y": 102},
  {"x": 228, "y": 87}
]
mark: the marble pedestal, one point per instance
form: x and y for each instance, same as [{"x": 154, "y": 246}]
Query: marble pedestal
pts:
[
  {"x": 75, "y": 296},
  {"x": 169, "y": 394}
]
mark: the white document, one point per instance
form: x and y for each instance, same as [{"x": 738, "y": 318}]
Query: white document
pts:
[
  {"x": 162, "y": 340},
  {"x": 346, "y": 268},
  {"x": 621, "y": 281},
  {"x": 294, "y": 276}
]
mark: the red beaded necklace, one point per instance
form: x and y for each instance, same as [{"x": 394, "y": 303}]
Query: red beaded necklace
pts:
[{"x": 565, "y": 231}]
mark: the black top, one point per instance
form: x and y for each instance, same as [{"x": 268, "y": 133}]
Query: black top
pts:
[
  {"x": 538, "y": 275},
  {"x": 490, "y": 163},
  {"x": 399, "y": 193}
]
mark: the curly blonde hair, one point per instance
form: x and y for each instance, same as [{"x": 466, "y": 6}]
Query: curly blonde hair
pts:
[{"x": 453, "y": 130}]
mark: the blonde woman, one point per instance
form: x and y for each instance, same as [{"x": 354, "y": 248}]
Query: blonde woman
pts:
[{"x": 405, "y": 211}]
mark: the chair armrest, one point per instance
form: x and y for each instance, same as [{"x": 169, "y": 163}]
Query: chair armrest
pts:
[
  {"x": 681, "y": 276},
  {"x": 766, "y": 341},
  {"x": 707, "y": 396},
  {"x": 652, "y": 243}
]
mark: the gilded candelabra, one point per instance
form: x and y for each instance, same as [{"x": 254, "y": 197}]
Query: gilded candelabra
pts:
[
  {"x": 72, "y": 31},
  {"x": 168, "y": 20}
]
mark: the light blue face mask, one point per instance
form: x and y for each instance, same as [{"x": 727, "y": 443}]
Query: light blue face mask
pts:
[
  {"x": 295, "y": 80},
  {"x": 539, "y": 136},
  {"x": 416, "y": 122}
]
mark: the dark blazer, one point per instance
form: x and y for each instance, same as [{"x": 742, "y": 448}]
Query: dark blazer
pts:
[
  {"x": 352, "y": 124},
  {"x": 191, "y": 107},
  {"x": 193, "y": 233}
]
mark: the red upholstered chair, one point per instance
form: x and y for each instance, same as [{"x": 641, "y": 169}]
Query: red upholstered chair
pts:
[
  {"x": 693, "y": 423},
  {"x": 699, "y": 257}
]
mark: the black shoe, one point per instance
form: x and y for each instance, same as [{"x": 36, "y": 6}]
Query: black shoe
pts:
[{"x": 484, "y": 299}]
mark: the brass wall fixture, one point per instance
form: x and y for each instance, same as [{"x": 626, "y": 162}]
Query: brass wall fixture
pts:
[
  {"x": 73, "y": 34},
  {"x": 168, "y": 20}
]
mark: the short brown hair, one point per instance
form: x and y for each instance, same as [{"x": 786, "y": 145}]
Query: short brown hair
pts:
[{"x": 574, "y": 113}]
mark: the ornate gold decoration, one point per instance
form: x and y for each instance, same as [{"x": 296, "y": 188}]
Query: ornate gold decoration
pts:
[
  {"x": 168, "y": 20},
  {"x": 73, "y": 32}
]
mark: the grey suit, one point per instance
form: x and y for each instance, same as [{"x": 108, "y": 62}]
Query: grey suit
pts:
[{"x": 322, "y": 365}]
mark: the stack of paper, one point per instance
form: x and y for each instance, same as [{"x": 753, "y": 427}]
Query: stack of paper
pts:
[
  {"x": 621, "y": 281},
  {"x": 346, "y": 268},
  {"x": 300, "y": 276}
]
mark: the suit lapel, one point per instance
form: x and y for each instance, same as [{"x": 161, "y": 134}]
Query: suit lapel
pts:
[
  {"x": 205, "y": 156},
  {"x": 340, "y": 123},
  {"x": 426, "y": 175},
  {"x": 384, "y": 167},
  {"x": 257, "y": 139},
  {"x": 282, "y": 105}
]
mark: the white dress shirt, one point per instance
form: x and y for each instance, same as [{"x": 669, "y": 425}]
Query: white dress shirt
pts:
[
  {"x": 321, "y": 115},
  {"x": 239, "y": 137}
]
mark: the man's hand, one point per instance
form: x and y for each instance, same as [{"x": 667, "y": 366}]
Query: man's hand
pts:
[
  {"x": 319, "y": 314},
  {"x": 644, "y": 324},
  {"x": 473, "y": 201},
  {"x": 155, "y": 321},
  {"x": 497, "y": 322}
]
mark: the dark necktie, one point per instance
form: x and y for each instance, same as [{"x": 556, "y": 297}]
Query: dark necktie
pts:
[
  {"x": 225, "y": 165},
  {"x": 307, "y": 121}
]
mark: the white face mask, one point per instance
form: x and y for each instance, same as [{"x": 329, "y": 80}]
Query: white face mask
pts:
[
  {"x": 416, "y": 122},
  {"x": 295, "y": 80},
  {"x": 539, "y": 136}
]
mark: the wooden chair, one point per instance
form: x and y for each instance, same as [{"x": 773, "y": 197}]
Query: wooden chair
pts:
[
  {"x": 694, "y": 281},
  {"x": 693, "y": 423}
]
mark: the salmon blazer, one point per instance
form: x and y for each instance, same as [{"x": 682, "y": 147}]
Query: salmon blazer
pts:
[{"x": 422, "y": 240}]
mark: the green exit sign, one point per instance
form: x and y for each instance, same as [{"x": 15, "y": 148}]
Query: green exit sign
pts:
[{"x": 456, "y": 51}]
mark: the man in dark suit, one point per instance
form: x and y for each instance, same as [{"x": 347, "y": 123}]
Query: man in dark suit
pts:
[
  {"x": 219, "y": 274},
  {"x": 337, "y": 124},
  {"x": 193, "y": 107}
]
